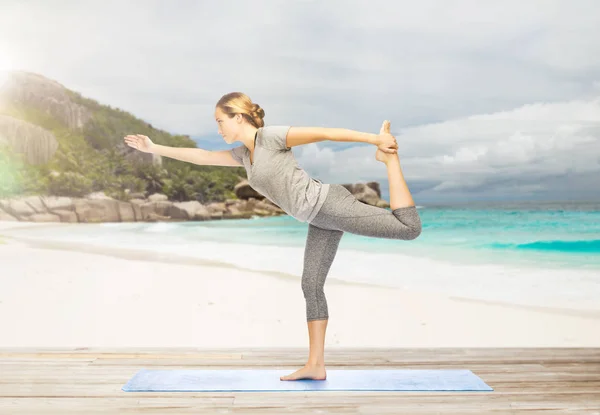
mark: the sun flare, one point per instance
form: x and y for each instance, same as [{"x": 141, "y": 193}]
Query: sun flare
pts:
[{"x": 6, "y": 65}]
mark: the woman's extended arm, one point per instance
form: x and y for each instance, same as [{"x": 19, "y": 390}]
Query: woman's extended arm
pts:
[
  {"x": 344, "y": 134},
  {"x": 306, "y": 135},
  {"x": 190, "y": 154}
]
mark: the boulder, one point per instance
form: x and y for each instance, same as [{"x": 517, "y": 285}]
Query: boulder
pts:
[
  {"x": 184, "y": 210},
  {"x": 35, "y": 143},
  {"x": 7, "y": 217},
  {"x": 243, "y": 191},
  {"x": 98, "y": 196},
  {"x": 97, "y": 210},
  {"x": 53, "y": 203},
  {"x": 36, "y": 203},
  {"x": 154, "y": 217},
  {"x": 126, "y": 211},
  {"x": 31, "y": 90},
  {"x": 17, "y": 207},
  {"x": 44, "y": 217},
  {"x": 157, "y": 197},
  {"x": 202, "y": 213},
  {"x": 155, "y": 210},
  {"x": 68, "y": 216},
  {"x": 364, "y": 193},
  {"x": 137, "y": 210}
]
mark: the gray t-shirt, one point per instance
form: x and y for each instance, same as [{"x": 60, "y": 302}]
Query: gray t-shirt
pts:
[{"x": 275, "y": 174}]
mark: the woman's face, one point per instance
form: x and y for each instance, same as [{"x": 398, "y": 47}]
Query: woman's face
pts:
[{"x": 228, "y": 127}]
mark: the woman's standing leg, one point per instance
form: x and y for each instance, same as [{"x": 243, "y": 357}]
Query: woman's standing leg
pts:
[{"x": 319, "y": 253}]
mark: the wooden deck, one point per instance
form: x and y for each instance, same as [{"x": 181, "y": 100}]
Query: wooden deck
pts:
[{"x": 86, "y": 381}]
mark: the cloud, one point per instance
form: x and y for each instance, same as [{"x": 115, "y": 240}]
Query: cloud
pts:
[
  {"x": 506, "y": 151},
  {"x": 429, "y": 66},
  {"x": 339, "y": 63}
]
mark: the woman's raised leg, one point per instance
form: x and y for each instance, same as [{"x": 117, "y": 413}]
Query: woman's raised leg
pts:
[
  {"x": 344, "y": 212},
  {"x": 399, "y": 194}
]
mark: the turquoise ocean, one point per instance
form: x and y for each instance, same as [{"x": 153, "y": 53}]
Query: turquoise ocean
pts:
[{"x": 543, "y": 253}]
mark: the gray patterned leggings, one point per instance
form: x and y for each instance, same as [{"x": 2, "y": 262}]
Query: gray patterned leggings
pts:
[{"x": 342, "y": 212}]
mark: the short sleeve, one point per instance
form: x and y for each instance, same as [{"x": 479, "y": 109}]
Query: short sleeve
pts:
[
  {"x": 238, "y": 153},
  {"x": 274, "y": 137}
]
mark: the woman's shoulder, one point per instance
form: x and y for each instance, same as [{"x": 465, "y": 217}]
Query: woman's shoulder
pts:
[{"x": 274, "y": 137}]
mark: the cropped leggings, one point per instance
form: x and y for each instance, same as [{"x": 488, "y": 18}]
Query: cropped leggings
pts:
[{"x": 342, "y": 212}]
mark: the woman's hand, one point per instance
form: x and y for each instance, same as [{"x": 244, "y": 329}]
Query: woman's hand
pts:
[
  {"x": 139, "y": 142},
  {"x": 386, "y": 142}
]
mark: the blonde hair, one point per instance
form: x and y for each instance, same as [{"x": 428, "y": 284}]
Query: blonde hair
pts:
[{"x": 240, "y": 103}]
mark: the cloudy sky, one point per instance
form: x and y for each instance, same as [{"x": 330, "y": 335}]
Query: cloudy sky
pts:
[{"x": 488, "y": 100}]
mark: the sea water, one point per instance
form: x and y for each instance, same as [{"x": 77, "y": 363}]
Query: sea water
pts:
[{"x": 542, "y": 253}]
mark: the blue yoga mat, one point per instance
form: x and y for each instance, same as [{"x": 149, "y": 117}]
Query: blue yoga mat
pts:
[{"x": 255, "y": 380}]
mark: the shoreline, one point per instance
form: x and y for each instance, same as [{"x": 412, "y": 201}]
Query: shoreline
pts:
[
  {"x": 67, "y": 298},
  {"x": 141, "y": 255}
]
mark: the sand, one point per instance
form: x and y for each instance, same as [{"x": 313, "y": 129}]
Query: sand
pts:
[{"x": 53, "y": 297}]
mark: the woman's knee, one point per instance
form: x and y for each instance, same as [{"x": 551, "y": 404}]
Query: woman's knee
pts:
[
  {"x": 409, "y": 217},
  {"x": 414, "y": 232},
  {"x": 310, "y": 288}
]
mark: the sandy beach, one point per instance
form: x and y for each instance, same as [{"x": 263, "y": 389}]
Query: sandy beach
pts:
[{"x": 56, "y": 297}]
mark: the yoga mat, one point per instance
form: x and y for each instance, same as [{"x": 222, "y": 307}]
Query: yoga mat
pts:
[{"x": 257, "y": 380}]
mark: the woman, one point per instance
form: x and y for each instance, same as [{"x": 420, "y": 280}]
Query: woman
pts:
[{"x": 329, "y": 209}]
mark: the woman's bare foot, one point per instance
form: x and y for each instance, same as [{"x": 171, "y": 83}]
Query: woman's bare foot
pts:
[
  {"x": 307, "y": 372},
  {"x": 385, "y": 134}
]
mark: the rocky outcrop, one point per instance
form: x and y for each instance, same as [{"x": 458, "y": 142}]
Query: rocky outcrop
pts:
[
  {"x": 6, "y": 217},
  {"x": 243, "y": 190},
  {"x": 97, "y": 207},
  {"x": 31, "y": 90},
  {"x": 368, "y": 193},
  {"x": 135, "y": 156},
  {"x": 37, "y": 144}
]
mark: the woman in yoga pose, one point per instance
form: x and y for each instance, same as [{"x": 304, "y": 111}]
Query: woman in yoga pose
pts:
[{"x": 329, "y": 209}]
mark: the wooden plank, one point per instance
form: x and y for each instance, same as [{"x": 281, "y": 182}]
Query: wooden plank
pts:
[
  {"x": 113, "y": 389},
  {"x": 42, "y": 405},
  {"x": 93, "y": 356},
  {"x": 84, "y": 380},
  {"x": 133, "y": 366},
  {"x": 489, "y": 377},
  {"x": 438, "y": 353}
]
